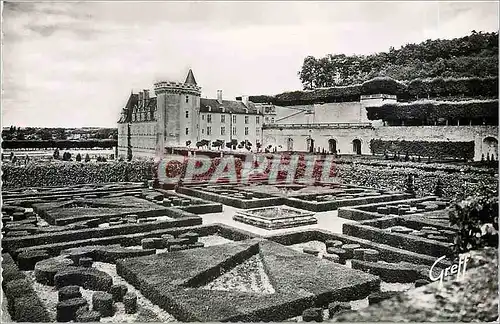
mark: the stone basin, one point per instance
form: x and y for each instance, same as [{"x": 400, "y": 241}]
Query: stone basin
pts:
[{"x": 275, "y": 217}]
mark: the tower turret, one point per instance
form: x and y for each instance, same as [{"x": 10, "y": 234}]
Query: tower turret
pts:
[{"x": 178, "y": 106}]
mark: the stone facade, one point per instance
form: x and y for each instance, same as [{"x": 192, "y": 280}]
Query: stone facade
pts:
[
  {"x": 344, "y": 127},
  {"x": 178, "y": 116}
]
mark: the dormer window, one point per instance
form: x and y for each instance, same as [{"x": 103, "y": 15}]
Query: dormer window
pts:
[{"x": 187, "y": 99}]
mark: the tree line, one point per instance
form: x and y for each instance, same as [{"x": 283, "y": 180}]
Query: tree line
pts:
[
  {"x": 60, "y": 144},
  {"x": 475, "y": 55}
]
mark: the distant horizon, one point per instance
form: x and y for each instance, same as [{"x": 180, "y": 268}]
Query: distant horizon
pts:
[{"x": 72, "y": 64}]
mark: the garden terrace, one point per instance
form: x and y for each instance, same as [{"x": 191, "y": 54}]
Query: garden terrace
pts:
[
  {"x": 412, "y": 90},
  {"x": 177, "y": 288},
  {"x": 429, "y": 112}
]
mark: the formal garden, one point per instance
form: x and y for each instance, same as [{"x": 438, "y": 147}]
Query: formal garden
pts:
[{"x": 127, "y": 249}]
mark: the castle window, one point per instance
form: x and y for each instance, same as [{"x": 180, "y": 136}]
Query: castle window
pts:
[
  {"x": 187, "y": 114},
  {"x": 222, "y": 118},
  {"x": 187, "y": 99},
  {"x": 223, "y": 130},
  {"x": 187, "y": 131},
  {"x": 209, "y": 118},
  {"x": 272, "y": 120},
  {"x": 246, "y": 130},
  {"x": 202, "y": 117},
  {"x": 234, "y": 130},
  {"x": 203, "y": 130},
  {"x": 246, "y": 119},
  {"x": 257, "y": 119},
  {"x": 209, "y": 130},
  {"x": 257, "y": 131},
  {"x": 234, "y": 119}
]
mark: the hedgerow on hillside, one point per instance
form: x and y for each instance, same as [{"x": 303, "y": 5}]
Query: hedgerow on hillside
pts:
[{"x": 475, "y": 55}]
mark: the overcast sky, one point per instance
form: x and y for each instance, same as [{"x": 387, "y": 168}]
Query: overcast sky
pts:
[{"x": 75, "y": 64}]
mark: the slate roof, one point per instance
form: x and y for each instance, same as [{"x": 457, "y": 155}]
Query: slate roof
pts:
[
  {"x": 190, "y": 78},
  {"x": 230, "y": 106},
  {"x": 133, "y": 101}
]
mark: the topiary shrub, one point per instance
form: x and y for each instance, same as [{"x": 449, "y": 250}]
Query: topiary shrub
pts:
[
  {"x": 477, "y": 220},
  {"x": 29, "y": 309},
  {"x": 88, "y": 278}
]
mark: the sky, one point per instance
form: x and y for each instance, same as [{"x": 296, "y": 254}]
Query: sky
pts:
[{"x": 73, "y": 64}]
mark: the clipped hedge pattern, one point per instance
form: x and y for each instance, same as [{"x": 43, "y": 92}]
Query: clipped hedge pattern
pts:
[
  {"x": 424, "y": 148},
  {"x": 23, "y": 303},
  {"x": 62, "y": 174},
  {"x": 433, "y": 110},
  {"x": 415, "y": 89},
  {"x": 456, "y": 186}
]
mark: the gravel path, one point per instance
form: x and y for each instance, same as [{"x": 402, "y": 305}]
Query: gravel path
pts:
[{"x": 248, "y": 276}]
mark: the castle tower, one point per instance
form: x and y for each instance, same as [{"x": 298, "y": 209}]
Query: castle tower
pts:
[{"x": 178, "y": 107}]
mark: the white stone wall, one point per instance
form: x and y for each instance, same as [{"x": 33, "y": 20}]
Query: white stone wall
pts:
[{"x": 345, "y": 137}]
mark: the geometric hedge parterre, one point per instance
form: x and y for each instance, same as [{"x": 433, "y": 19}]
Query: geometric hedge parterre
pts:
[{"x": 175, "y": 281}]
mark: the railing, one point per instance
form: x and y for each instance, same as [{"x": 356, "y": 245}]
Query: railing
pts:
[{"x": 317, "y": 125}]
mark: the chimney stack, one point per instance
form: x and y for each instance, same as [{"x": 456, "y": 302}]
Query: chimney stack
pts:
[
  {"x": 219, "y": 96},
  {"x": 245, "y": 100},
  {"x": 141, "y": 98}
]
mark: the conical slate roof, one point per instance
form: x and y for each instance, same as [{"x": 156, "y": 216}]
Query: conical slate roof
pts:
[{"x": 190, "y": 78}]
